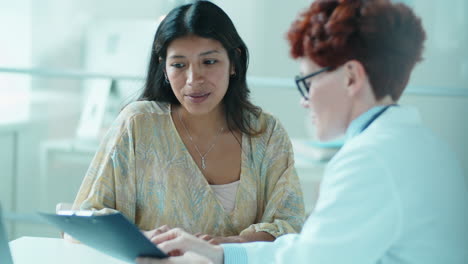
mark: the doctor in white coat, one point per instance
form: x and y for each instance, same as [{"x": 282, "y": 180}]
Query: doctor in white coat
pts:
[{"x": 394, "y": 193}]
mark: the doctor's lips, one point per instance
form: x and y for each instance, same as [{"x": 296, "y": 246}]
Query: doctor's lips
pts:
[{"x": 313, "y": 118}]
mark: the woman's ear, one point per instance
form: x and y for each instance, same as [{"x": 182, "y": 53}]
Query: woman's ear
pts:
[
  {"x": 355, "y": 77},
  {"x": 239, "y": 51},
  {"x": 163, "y": 68},
  {"x": 232, "y": 71}
]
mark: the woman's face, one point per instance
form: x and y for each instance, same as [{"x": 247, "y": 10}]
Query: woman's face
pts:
[
  {"x": 329, "y": 102},
  {"x": 198, "y": 70}
]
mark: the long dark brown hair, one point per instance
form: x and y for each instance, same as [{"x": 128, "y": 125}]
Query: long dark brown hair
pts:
[{"x": 203, "y": 19}]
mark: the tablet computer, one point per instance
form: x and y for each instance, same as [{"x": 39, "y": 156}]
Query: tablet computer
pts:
[{"x": 111, "y": 234}]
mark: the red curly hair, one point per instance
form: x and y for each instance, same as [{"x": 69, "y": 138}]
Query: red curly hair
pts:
[{"x": 386, "y": 38}]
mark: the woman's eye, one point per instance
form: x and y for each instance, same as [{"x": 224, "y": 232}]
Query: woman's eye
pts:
[
  {"x": 178, "y": 65},
  {"x": 209, "y": 62}
]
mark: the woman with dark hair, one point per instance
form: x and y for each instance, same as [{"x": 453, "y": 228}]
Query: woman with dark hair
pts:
[
  {"x": 394, "y": 193},
  {"x": 194, "y": 152}
]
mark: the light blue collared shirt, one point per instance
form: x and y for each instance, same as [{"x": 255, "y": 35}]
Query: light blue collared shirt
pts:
[{"x": 357, "y": 125}]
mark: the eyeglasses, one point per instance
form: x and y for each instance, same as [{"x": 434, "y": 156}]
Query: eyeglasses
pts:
[{"x": 302, "y": 85}]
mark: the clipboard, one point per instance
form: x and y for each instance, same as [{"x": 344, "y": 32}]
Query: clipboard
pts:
[{"x": 110, "y": 234}]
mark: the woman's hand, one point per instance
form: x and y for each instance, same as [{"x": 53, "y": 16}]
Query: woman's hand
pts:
[
  {"x": 221, "y": 240},
  {"x": 248, "y": 236},
  {"x": 176, "y": 242}
]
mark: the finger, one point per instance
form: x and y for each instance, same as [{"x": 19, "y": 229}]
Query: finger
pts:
[
  {"x": 198, "y": 234},
  {"x": 214, "y": 241},
  {"x": 169, "y": 235},
  {"x": 165, "y": 228},
  {"x": 175, "y": 253},
  {"x": 160, "y": 230},
  {"x": 157, "y": 232},
  {"x": 179, "y": 243},
  {"x": 206, "y": 237}
]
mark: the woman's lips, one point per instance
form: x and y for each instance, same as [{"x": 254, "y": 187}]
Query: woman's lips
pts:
[{"x": 198, "y": 97}]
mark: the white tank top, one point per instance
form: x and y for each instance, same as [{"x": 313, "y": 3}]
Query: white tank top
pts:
[{"x": 226, "y": 194}]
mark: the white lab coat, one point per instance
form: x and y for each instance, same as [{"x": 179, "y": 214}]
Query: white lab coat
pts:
[{"x": 394, "y": 193}]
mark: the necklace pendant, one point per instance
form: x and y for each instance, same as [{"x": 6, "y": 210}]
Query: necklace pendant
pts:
[{"x": 203, "y": 164}]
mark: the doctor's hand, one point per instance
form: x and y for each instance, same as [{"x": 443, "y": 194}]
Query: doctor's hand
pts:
[
  {"x": 179, "y": 243},
  {"x": 152, "y": 233}
]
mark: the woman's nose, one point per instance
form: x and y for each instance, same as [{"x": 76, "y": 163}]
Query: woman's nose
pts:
[{"x": 195, "y": 76}]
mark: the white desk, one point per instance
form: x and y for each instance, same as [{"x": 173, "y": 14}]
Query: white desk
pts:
[{"x": 39, "y": 250}]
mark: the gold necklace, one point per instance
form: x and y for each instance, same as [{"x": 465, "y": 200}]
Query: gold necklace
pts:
[{"x": 202, "y": 156}]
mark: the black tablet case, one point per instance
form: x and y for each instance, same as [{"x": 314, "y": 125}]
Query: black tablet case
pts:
[{"x": 111, "y": 234}]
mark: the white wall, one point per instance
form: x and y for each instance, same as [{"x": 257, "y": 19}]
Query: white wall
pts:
[
  {"x": 15, "y": 50},
  {"x": 446, "y": 53},
  {"x": 263, "y": 25}
]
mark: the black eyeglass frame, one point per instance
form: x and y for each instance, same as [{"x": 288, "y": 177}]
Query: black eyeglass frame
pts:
[{"x": 303, "y": 79}]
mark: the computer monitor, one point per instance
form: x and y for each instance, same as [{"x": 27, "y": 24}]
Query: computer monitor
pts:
[{"x": 115, "y": 47}]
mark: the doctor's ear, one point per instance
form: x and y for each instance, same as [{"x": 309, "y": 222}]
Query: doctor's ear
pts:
[{"x": 356, "y": 76}]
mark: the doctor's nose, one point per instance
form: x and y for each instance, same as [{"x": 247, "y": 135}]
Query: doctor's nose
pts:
[{"x": 305, "y": 103}]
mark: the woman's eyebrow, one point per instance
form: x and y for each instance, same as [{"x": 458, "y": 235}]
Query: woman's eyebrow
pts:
[
  {"x": 205, "y": 53},
  {"x": 176, "y": 57},
  {"x": 208, "y": 52}
]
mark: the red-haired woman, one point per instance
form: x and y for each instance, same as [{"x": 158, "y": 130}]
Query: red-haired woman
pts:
[{"x": 394, "y": 193}]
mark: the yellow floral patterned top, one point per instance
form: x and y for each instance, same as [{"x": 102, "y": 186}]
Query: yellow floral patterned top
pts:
[{"x": 143, "y": 169}]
